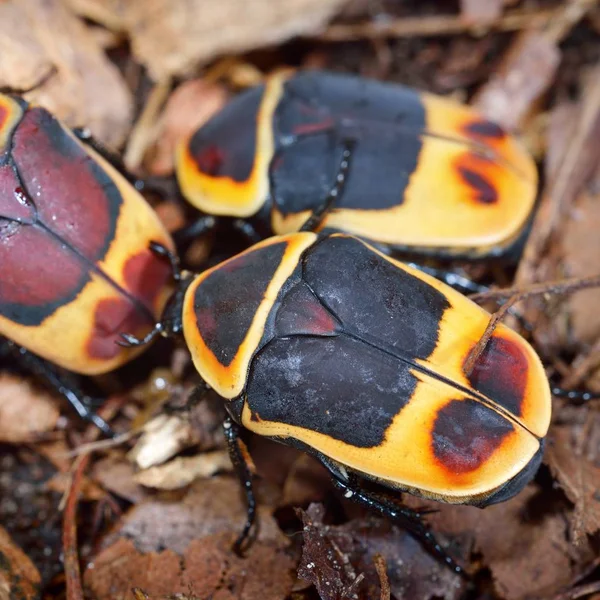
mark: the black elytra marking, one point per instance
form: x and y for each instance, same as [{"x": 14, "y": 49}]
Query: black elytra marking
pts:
[
  {"x": 317, "y": 112},
  {"x": 225, "y": 146},
  {"x": 338, "y": 386},
  {"x": 373, "y": 298},
  {"x": 225, "y": 303},
  {"x": 484, "y": 190},
  {"x": 466, "y": 433},
  {"x": 500, "y": 374}
]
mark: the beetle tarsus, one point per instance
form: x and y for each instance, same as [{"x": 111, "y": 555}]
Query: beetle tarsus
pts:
[
  {"x": 240, "y": 463},
  {"x": 164, "y": 252},
  {"x": 131, "y": 341},
  {"x": 407, "y": 518},
  {"x": 581, "y": 396},
  {"x": 314, "y": 221}
]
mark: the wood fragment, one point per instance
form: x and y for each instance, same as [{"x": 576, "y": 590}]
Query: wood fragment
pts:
[
  {"x": 381, "y": 566},
  {"x": 433, "y": 26}
]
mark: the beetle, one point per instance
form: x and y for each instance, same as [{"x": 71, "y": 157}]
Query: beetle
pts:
[
  {"x": 327, "y": 344},
  {"x": 429, "y": 176},
  {"x": 77, "y": 268}
]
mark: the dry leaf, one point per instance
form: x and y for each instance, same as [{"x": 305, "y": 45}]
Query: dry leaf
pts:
[
  {"x": 19, "y": 579},
  {"x": 479, "y": 12},
  {"x": 43, "y": 44},
  {"x": 174, "y": 37},
  {"x": 573, "y": 456},
  {"x": 19, "y": 398},
  {"x": 187, "y": 109},
  {"x": 182, "y": 471}
]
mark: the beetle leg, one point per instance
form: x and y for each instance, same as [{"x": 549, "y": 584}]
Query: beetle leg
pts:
[
  {"x": 576, "y": 396},
  {"x": 247, "y": 230},
  {"x": 407, "y": 518},
  {"x": 241, "y": 463},
  {"x": 314, "y": 221},
  {"x": 188, "y": 233},
  {"x": 60, "y": 382}
]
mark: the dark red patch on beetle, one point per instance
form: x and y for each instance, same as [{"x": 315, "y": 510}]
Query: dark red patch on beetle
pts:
[
  {"x": 302, "y": 313},
  {"x": 466, "y": 434},
  {"x": 67, "y": 208},
  {"x": 146, "y": 276},
  {"x": 485, "y": 128},
  {"x": 209, "y": 161},
  {"x": 500, "y": 374},
  {"x": 484, "y": 190},
  {"x": 112, "y": 317}
]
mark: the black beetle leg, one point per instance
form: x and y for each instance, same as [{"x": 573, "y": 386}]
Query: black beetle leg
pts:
[
  {"x": 314, "y": 221},
  {"x": 576, "y": 396},
  {"x": 60, "y": 382},
  {"x": 405, "y": 517},
  {"x": 239, "y": 459},
  {"x": 247, "y": 230},
  {"x": 185, "y": 235}
]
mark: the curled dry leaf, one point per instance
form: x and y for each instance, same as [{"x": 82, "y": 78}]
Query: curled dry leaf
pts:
[
  {"x": 524, "y": 541},
  {"x": 19, "y": 579},
  {"x": 574, "y": 458},
  {"x": 164, "y": 436},
  {"x": 45, "y": 46},
  {"x": 209, "y": 507},
  {"x": 186, "y": 547},
  {"x": 182, "y": 471},
  {"x": 334, "y": 557},
  {"x": 24, "y": 410},
  {"x": 174, "y": 37},
  {"x": 188, "y": 108},
  {"x": 115, "y": 474}
]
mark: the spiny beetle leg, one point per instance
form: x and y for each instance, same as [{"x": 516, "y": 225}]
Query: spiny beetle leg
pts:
[
  {"x": 247, "y": 230},
  {"x": 405, "y": 517},
  {"x": 185, "y": 235},
  {"x": 576, "y": 396},
  {"x": 173, "y": 259},
  {"x": 61, "y": 383},
  {"x": 314, "y": 221},
  {"x": 239, "y": 459}
]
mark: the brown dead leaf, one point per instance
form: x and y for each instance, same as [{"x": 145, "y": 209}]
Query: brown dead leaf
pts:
[
  {"x": 174, "y": 37},
  {"x": 116, "y": 474},
  {"x": 183, "y": 470},
  {"x": 187, "y": 109},
  {"x": 209, "y": 507},
  {"x": 19, "y": 579},
  {"x": 574, "y": 459},
  {"x": 526, "y": 72},
  {"x": 524, "y": 541},
  {"x": 18, "y": 398},
  {"x": 61, "y": 483},
  {"x": 185, "y": 546},
  {"x": 205, "y": 569},
  {"x": 307, "y": 480},
  {"x": 340, "y": 560},
  {"x": 44, "y": 45}
]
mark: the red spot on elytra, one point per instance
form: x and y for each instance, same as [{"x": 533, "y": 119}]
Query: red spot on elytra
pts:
[
  {"x": 146, "y": 276},
  {"x": 312, "y": 128},
  {"x": 484, "y": 129},
  {"x": 466, "y": 434},
  {"x": 112, "y": 317},
  {"x": 210, "y": 160},
  {"x": 484, "y": 191},
  {"x": 500, "y": 374}
]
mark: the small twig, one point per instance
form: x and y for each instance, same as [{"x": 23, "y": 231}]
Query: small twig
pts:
[
  {"x": 381, "y": 567},
  {"x": 434, "y": 25},
  {"x": 579, "y": 592},
  {"x": 580, "y": 372},
  {"x": 515, "y": 295},
  {"x": 71, "y": 560}
]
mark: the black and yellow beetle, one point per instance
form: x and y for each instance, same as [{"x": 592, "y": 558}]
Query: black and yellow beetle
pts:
[
  {"x": 325, "y": 343},
  {"x": 429, "y": 175},
  {"x": 77, "y": 269}
]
